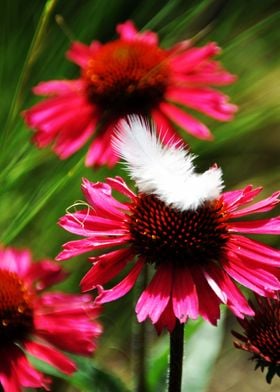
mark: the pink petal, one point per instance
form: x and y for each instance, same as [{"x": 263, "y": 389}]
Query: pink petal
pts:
[
  {"x": 59, "y": 87},
  {"x": 44, "y": 274},
  {"x": 208, "y": 301},
  {"x": 15, "y": 260},
  {"x": 208, "y": 73},
  {"x": 51, "y": 356},
  {"x": 84, "y": 223},
  {"x": 205, "y": 100},
  {"x": 155, "y": 297},
  {"x": 234, "y": 199},
  {"x": 28, "y": 376},
  {"x": 128, "y": 32},
  {"x": 101, "y": 151},
  {"x": 256, "y": 279},
  {"x": 9, "y": 382},
  {"x": 78, "y": 247},
  {"x": 165, "y": 130},
  {"x": 186, "y": 121},
  {"x": 118, "y": 184},
  {"x": 184, "y": 295},
  {"x": 123, "y": 287},
  {"x": 99, "y": 196},
  {"x": 264, "y": 226},
  {"x": 80, "y": 53},
  {"x": 254, "y": 250},
  {"x": 105, "y": 268},
  {"x": 72, "y": 138},
  {"x": 262, "y": 206},
  {"x": 234, "y": 298},
  {"x": 167, "y": 319},
  {"x": 193, "y": 57}
]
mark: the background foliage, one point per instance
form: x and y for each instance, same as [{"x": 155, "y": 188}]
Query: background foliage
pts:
[{"x": 36, "y": 187}]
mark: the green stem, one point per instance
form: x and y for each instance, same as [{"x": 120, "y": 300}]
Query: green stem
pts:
[
  {"x": 176, "y": 358},
  {"x": 141, "y": 345}
]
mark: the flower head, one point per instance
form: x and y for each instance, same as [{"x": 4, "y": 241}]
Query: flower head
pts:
[
  {"x": 39, "y": 324},
  {"x": 131, "y": 74},
  {"x": 262, "y": 336},
  {"x": 180, "y": 223}
]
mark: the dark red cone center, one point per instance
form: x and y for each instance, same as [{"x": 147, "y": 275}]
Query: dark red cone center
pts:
[
  {"x": 161, "y": 233},
  {"x": 16, "y": 314},
  {"x": 127, "y": 77}
]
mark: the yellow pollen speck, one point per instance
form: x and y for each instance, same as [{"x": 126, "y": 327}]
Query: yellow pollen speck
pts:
[
  {"x": 154, "y": 237},
  {"x": 20, "y": 309}
]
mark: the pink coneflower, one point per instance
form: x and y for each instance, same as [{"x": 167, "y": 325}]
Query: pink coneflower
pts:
[
  {"x": 181, "y": 224},
  {"x": 39, "y": 324},
  {"x": 131, "y": 74},
  {"x": 262, "y": 336}
]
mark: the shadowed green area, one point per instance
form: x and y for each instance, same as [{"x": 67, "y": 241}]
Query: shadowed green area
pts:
[{"x": 36, "y": 187}]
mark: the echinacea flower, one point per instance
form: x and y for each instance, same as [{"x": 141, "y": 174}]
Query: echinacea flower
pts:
[
  {"x": 39, "y": 324},
  {"x": 262, "y": 336},
  {"x": 131, "y": 74},
  {"x": 181, "y": 224}
]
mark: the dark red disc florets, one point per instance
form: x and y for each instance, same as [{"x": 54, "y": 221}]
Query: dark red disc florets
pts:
[
  {"x": 126, "y": 76},
  {"x": 161, "y": 233},
  {"x": 16, "y": 313}
]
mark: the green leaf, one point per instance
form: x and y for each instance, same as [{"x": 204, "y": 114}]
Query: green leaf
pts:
[
  {"x": 88, "y": 377},
  {"x": 200, "y": 354}
]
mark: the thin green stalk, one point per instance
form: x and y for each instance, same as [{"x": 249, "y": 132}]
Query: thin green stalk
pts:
[{"x": 26, "y": 71}]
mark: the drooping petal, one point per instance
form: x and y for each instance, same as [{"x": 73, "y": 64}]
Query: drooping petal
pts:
[
  {"x": 165, "y": 129},
  {"x": 80, "y": 53},
  {"x": 186, "y": 121},
  {"x": 258, "y": 280},
  {"x": 234, "y": 298},
  {"x": 123, "y": 287},
  {"x": 101, "y": 151},
  {"x": 167, "y": 319},
  {"x": 44, "y": 274},
  {"x": 99, "y": 196},
  {"x": 192, "y": 57},
  {"x": 252, "y": 249},
  {"x": 28, "y": 376},
  {"x": 208, "y": 300},
  {"x": 105, "y": 268},
  {"x": 128, "y": 32},
  {"x": 51, "y": 356},
  {"x": 184, "y": 295},
  {"x": 59, "y": 87},
  {"x": 264, "y": 226},
  {"x": 78, "y": 247},
  {"x": 262, "y": 206},
  {"x": 15, "y": 260},
  {"x": 205, "y": 100},
  {"x": 155, "y": 297},
  {"x": 234, "y": 199}
]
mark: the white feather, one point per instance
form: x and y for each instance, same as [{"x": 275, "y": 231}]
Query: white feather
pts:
[{"x": 165, "y": 171}]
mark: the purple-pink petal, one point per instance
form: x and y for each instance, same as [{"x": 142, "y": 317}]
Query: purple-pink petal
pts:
[
  {"x": 155, "y": 297},
  {"x": 186, "y": 121}
]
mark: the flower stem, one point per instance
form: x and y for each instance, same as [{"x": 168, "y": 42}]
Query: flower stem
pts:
[
  {"x": 176, "y": 358},
  {"x": 141, "y": 344}
]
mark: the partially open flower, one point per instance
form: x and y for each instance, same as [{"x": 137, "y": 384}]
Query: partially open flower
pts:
[
  {"x": 39, "y": 324},
  {"x": 180, "y": 223},
  {"x": 262, "y": 336},
  {"x": 131, "y": 74}
]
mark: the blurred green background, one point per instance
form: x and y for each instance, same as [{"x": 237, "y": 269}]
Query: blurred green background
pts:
[{"x": 36, "y": 187}]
